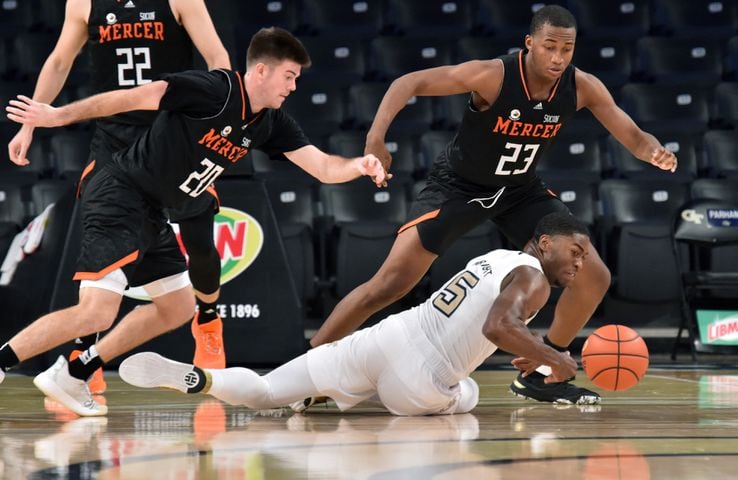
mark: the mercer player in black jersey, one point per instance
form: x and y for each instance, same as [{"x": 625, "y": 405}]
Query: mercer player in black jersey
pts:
[
  {"x": 516, "y": 108},
  {"x": 131, "y": 43},
  {"x": 207, "y": 122}
]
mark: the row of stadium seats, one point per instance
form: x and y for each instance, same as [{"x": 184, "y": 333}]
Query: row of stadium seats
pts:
[
  {"x": 589, "y": 157},
  {"x": 336, "y": 236},
  {"x": 671, "y": 64},
  {"x": 344, "y": 61},
  {"x": 368, "y": 18},
  {"x": 350, "y": 228}
]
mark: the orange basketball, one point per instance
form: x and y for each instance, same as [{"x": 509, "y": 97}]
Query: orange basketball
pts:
[{"x": 615, "y": 357}]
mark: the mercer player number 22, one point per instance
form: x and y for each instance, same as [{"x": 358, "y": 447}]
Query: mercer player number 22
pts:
[{"x": 133, "y": 63}]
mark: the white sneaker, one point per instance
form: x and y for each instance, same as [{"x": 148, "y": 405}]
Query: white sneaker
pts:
[
  {"x": 73, "y": 437},
  {"x": 151, "y": 370},
  {"x": 73, "y": 393},
  {"x": 2, "y": 375}
]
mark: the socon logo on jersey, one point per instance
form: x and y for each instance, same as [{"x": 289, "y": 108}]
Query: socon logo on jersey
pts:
[{"x": 238, "y": 238}]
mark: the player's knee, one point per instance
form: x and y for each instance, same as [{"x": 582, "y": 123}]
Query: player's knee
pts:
[
  {"x": 600, "y": 276},
  {"x": 94, "y": 317},
  {"x": 469, "y": 396}
]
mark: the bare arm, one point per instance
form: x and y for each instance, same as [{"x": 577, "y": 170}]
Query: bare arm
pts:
[
  {"x": 525, "y": 291},
  {"x": 483, "y": 77},
  {"x": 591, "y": 93},
  {"x": 193, "y": 14},
  {"x": 336, "y": 169},
  {"x": 30, "y": 112},
  {"x": 55, "y": 71}
]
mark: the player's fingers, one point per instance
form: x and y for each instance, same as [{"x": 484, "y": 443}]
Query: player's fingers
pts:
[
  {"x": 19, "y": 104},
  {"x": 15, "y": 118},
  {"x": 15, "y": 111}
]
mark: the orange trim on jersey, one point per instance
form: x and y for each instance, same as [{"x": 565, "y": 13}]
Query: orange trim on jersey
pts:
[
  {"x": 420, "y": 219},
  {"x": 552, "y": 193},
  {"x": 525, "y": 86},
  {"x": 98, "y": 275},
  {"x": 90, "y": 167},
  {"x": 522, "y": 75},
  {"x": 243, "y": 96},
  {"x": 553, "y": 92},
  {"x": 211, "y": 191}
]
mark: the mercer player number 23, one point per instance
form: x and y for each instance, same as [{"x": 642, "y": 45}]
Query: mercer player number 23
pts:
[{"x": 503, "y": 169}]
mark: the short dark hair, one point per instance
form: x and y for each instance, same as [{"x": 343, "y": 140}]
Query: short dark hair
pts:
[
  {"x": 554, "y": 15},
  {"x": 560, "y": 223},
  {"x": 278, "y": 44}
]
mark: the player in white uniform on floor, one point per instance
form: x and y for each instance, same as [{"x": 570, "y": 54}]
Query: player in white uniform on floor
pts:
[{"x": 417, "y": 362}]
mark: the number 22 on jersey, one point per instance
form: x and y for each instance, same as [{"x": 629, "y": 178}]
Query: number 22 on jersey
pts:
[{"x": 128, "y": 68}]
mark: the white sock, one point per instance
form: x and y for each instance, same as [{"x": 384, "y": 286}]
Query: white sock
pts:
[{"x": 240, "y": 386}]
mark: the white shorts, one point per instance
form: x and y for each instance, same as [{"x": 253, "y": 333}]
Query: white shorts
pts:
[{"x": 382, "y": 360}]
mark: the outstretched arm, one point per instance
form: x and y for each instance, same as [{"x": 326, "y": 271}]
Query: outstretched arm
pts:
[
  {"x": 591, "y": 93},
  {"x": 55, "y": 71},
  {"x": 481, "y": 76},
  {"x": 525, "y": 291},
  {"x": 30, "y": 112},
  {"x": 336, "y": 169},
  {"x": 194, "y": 16}
]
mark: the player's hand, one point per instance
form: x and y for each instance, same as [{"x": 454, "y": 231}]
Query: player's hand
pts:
[
  {"x": 379, "y": 149},
  {"x": 563, "y": 370},
  {"x": 371, "y": 166},
  {"x": 18, "y": 146},
  {"x": 27, "y": 111},
  {"x": 664, "y": 159},
  {"x": 525, "y": 365}
]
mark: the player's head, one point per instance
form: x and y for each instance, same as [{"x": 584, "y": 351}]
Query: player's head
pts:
[
  {"x": 562, "y": 242},
  {"x": 553, "y": 32},
  {"x": 274, "y": 59}
]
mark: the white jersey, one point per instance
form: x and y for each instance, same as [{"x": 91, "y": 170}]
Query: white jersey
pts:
[{"x": 451, "y": 320}]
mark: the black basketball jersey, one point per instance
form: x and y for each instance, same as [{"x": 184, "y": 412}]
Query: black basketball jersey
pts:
[
  {"x": 184, "y": 151},
  {"x": 131, "y": 43},
  {"x": 502, "y": 145}
]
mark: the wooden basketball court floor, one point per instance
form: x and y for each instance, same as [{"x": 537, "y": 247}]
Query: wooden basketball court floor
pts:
[{"x": 677, "y": 423}]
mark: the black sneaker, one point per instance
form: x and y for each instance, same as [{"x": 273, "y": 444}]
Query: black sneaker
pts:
[
  {"x": 534, "y": 388},
  {"x": 302, "y": 405}
]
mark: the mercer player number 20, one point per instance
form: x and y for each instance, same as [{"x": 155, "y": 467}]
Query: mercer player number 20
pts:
[{"x": 202, "y": 179}]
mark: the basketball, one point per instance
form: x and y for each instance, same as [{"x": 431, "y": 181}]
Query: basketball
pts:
[{"x": 615, "y": 357}]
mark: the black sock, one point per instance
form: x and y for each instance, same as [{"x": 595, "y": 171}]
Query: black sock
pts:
[
  {"x": 85, "y": 365},
  {"x": 83, "y": 343},
  {"x": 197, "y": 380},
  {"x": 208, "y": 312},
  {"x": 8, "y": 358},
  {"x": 554, "y": 346}
]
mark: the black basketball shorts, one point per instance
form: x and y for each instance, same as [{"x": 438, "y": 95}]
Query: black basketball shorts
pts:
[
  {"x": 120, "y": 229},
  {"x": 108, "y": 138},
  {"x": 442, "y": 214}
]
